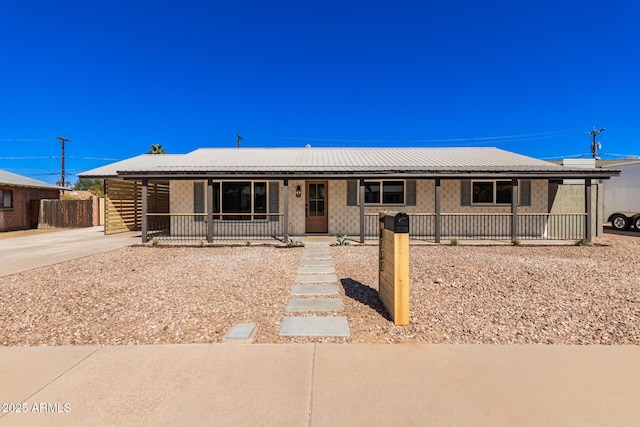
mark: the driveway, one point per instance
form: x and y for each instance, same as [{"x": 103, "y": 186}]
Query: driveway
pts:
[{"x": 23, "y": 253}]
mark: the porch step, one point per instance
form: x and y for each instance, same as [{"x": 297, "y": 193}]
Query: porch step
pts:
[
  {"x": 315, "y": 304},
  {"x": 296, "y": 326}
]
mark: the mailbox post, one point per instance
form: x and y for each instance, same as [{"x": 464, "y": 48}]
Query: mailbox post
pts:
[{"x": 393, "y": 277}]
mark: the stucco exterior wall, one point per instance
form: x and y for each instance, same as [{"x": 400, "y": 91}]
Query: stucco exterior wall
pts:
[{"x": 18, "y": 216}]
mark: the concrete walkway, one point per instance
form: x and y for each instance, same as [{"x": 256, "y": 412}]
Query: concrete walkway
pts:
[
  {"x": 320, "y": 385},
  {"x": 24, "y": 253},
  {"x": 315, "y": 291}
]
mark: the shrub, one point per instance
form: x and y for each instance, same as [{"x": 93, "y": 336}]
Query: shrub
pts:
[
  {"x": 343, "y": 240},
  {"x": 583, "y": 242}
]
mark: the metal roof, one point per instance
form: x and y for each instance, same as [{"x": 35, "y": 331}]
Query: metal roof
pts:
[
  {"x": 335, "y": 162},
  {"x": 622, "y": 165},
  {"x": 9, "y": 178},
  {"x": 141, "y": 162}
]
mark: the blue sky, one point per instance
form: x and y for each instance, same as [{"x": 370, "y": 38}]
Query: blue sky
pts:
[{"x": 118, "y": 76}]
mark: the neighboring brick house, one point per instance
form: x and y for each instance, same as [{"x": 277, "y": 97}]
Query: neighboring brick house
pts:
[{"x": 20, "y": 200}]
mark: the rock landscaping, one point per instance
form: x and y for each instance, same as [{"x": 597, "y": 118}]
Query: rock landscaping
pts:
[{"x": 459, "y": 294}]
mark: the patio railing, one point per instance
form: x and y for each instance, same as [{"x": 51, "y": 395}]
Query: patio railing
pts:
[
  {"x": 194, "y": 226},
  {"x": 489, "y": 226}
]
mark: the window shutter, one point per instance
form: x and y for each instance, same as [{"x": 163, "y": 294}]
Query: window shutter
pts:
[
  {"x": 525, "y": 192},
  {"x": 274, "y": 199},
  {"x": 352, "y": 192},
  {"x": 465, "y": 192},
  {"x": 411, "y": 192},
  {"x": 198, "y": 200}
]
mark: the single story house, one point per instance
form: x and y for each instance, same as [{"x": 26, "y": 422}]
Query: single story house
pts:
[
  {"x": 20, "y": 200},
  {"x": 219, "y": 193}
]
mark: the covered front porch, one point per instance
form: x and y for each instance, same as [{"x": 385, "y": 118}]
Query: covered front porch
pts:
[{"x": 287, "y": 215}]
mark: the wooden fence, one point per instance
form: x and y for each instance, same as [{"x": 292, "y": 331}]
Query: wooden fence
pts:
[
  {"x": 66, "y": 213},
  {"x": 123, "y": 205}
]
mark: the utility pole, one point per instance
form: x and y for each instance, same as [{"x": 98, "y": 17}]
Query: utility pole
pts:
[
  {"x": 239, "y": 139},
  {"x": 594, "y": 144},
  {"x": 62, "y": 140}
]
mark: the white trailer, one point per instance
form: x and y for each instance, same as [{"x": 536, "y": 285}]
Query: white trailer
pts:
[{"x": 622, "y": 196}]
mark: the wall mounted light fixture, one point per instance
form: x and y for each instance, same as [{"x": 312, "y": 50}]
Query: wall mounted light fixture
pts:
[{"x": 298, "y": 191}]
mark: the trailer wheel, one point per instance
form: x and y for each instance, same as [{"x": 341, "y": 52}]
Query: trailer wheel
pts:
[
  {"x": 636, "y": 222},
  {"x": 620, "y": 222}
]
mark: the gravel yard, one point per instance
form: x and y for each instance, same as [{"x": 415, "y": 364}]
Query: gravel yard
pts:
[{"x": 498, "y": 294}]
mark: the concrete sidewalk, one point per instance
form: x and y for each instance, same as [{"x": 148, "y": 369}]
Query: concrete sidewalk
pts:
[
  {"x": 321, "y": 385},
  {"x": 24, "y": 253}
]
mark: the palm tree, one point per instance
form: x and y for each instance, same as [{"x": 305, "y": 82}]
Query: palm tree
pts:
[{"x": 156, "y": 149}]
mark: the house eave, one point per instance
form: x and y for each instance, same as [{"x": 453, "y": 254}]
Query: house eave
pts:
[{"x": 387, "y": 174}]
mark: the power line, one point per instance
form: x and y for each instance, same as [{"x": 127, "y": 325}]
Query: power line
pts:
[
  {"x": 28, "y": 157},
  {"x": 515, "y": 137}
]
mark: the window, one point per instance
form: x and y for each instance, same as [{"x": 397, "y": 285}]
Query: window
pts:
[
  {"x": 491, "y": 192},
  {"x": 6, "y": 199},
  {"x": 260, "y": 199},
  {"x": 384, "y": 192},
  {"x": 236, "y": 198},
  {"x": 244, "y": 198}
]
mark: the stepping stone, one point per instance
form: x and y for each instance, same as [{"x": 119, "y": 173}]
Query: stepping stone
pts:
[
  {"x": 316, "y": 262},
  {"x": 315, "y": 304},
  {"x": 316, "y": 270},
  {"x": 316, "y": 278},
  {"x": 241, "y": 332},
  {"x": 295, "y": 326},
  {"x": 316, "y": 258},
  {"x": 316, "y": 254},
  {"x": 314, "y": 290}
]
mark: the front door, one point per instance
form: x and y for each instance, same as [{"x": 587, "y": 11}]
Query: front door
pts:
[{"x": 316, "y": 218}]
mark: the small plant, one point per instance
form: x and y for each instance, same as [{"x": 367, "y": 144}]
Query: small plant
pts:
[
  {"x": 343, "y": 240},
  {"x": 201, "y": 243},
  {"x": 583, "y": 242},
  {"x": 155, "y": 242},
  {"x": 247, "y": 242},
  {"x": 515, "y": 242},
  {"x": 290, "y": 243},
  {"x": 453, "y": 242}
]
